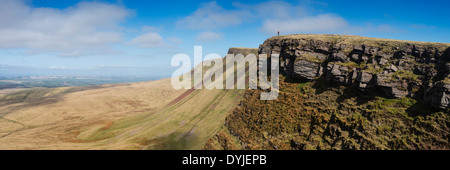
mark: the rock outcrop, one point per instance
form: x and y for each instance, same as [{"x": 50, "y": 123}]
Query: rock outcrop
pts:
[{"x": 395, "y": 68}]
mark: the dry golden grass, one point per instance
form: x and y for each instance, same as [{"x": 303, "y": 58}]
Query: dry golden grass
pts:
[
  {"x": 9, "y": 91},
  {"x": 185, "y": 124},
  {"x": 149, "y": 115},
  {"x": 243, "y": 50},
  {"x": 59, "y": 118}
]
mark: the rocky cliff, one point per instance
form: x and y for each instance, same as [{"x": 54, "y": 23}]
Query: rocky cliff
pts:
[
  {"x": 392, "y": 67},
  {"x": 346, "y": 92}
]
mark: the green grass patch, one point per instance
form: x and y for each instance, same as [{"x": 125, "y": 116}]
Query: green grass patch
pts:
[{"x": 404, "y": 75}]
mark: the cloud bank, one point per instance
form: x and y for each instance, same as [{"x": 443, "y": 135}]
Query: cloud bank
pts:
[
  {"x": 288, "y": 18},
  {"x": 212, "y": 16},
  {"x": 148, "y": 40},
  {"x": 308, "y": 24},
  {"x": 209, "y": 36},
  {"x": 86, "y": 28}
]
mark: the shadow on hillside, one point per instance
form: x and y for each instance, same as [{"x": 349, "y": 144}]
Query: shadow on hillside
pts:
[
  {"x": 174, "y": 141},
  {"x": 361, "y": 97},
  {"x": 290, "y": 79},
  {"x": 321, "y": 85},
  {"x": 420, "y": 109}
]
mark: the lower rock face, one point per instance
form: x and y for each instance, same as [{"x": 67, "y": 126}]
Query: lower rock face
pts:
[
  {"x": 439, "y": 95},
  {"x": 340, "y": 74},
  {"x": 314, "y": 116},
  {"x": 363, "y": 79},
  {"x": 306, "y": 69},
  {"x": 391, "y": 88},
  {"x": 394, "y": 68}
]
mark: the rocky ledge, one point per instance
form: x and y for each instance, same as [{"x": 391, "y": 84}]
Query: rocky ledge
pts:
[{"x": 392, "y": 67}]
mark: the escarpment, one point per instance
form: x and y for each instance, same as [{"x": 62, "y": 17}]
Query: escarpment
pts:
[
  {"x": 346, "y": 92},
  {"x": 393, "y": 68}
]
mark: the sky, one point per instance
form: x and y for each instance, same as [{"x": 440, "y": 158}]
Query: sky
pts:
[{"x": 139, "y": 38}]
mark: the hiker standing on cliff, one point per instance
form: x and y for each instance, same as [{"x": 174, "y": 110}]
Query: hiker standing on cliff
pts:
[{"x": 278, "y": 32}]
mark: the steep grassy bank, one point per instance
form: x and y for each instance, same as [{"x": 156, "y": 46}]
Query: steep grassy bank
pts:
[
  {"x": 315, "y": 115},
  {"x": 147, "y": 115}
]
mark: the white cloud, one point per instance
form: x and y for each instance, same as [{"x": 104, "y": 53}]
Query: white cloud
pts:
[
  {"x": 148, "y": 40},
  {"x": 274, "y": 15},
  {"x": 212, "y": 16},
  {"x": 89, "y": 27},
  {"x": 209, "y": 36},
  {"x": 175, "y": 40},
  {"x": 149, "y": 28},
  {"x": 309, "y": 24},
  {"x": 271, "y": 9},
  {"x": 287, "y": 17}
]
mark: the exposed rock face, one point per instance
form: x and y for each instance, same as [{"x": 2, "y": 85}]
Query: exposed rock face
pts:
[
  {"x": 306, "y": 69},
  {"x": 439, "y": 95},
  {"x": 396, "y": 68}
]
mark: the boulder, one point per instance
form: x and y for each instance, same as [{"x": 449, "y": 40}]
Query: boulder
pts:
[
  {"x": 363, "y": 79},
  {"x": 370, "y": 50},
  {"x": 391, "y": 88},
  {"x": 340, "y": 56},
  {"x": 382, "y": 61},
  {"x": 355, "y": 57},
  {"x": 358, "y": 48},
  {"x": 338, "y": 73},
  {"x": 306, "y": 69},
  {"x": 439, "y": 95}
]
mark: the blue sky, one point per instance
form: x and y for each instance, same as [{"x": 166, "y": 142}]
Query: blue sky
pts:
[{"x": 130, "y": 37}]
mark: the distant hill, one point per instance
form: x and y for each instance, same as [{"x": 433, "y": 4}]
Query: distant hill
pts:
[{"x": 65, "y": 81}]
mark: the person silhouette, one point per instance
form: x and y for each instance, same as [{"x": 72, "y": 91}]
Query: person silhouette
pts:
[{"x": 278, "y": 32}]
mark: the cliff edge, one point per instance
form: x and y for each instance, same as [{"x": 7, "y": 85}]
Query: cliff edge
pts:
[
  {"x": 346, "y": 92},
  {"x": 394, "y": 68}
]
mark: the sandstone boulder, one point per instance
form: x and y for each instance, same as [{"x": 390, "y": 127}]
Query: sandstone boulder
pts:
[
  {"x": 306, "y": 69},
  {"x": 439, "y": 95},
  {"x": 395, "y": 88}
]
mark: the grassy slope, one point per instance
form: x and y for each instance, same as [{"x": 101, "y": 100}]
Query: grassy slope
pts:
[
  {"x": 187, "y": 124},
  {"x": 52, "y": 118},
  {"x": 149, "y": 115},
  {"x": 184, "y": 125}
]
